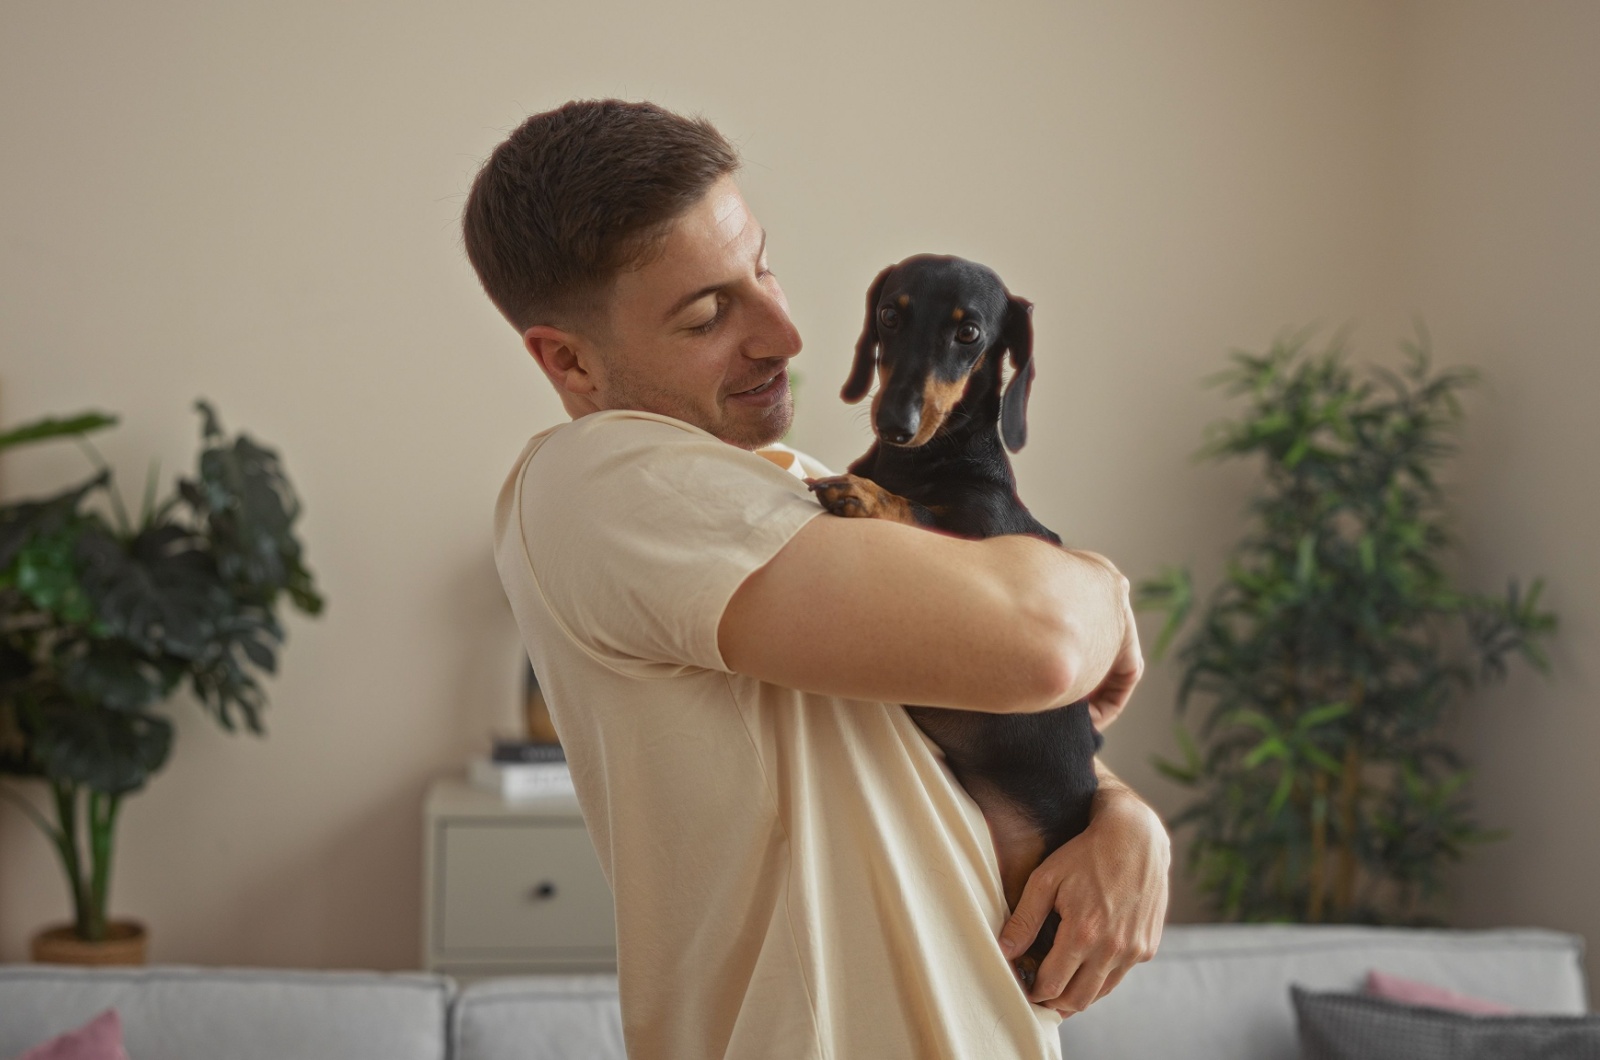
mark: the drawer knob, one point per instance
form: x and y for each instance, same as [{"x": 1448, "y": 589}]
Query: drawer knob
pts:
[{"x": 542, "y": 890}]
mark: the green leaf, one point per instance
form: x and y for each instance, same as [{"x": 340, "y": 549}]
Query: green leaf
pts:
[
  {"x": 1296, "y": 453},
  {"x": 1281, "y": 793},
  {"x": 1173, "y": 591},
  {"x": 1369, "y": 560},
  {"x": 47, "y": 577},
  {"x": 1319, "y": 716},
  {"x": 1317, "y": 756},
  {"x": 160, "y": 592},
  {"x": 1252, "y": 718},
  {"x": 1173, "y": 771},
  {"x": 110, "y": 673},
  {"x": 113, "y": 752},
  {"x": 51, "y": 427},
  {"x": 1305, "y": 565},
  {"x": 1271, "y": 747},
  {"x": 25, "y": 521},
  {"x": 248, "y": 508}
]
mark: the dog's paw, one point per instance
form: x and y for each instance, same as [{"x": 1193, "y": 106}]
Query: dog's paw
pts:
[
  {"x": 1026, "y": 969},
  {"x": 849, "y": 496}
]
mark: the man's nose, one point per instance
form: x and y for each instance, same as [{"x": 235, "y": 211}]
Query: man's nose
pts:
[{"x": 774, "y": 334}]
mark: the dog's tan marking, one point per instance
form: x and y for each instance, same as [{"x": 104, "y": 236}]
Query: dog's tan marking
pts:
[
  {"x": 957, "y": 314},
  {"x": 939, "y": 396},
  {"x": 1019, "y": 849},
  {"x": 903, "y": 301},
  {"x": 859, "y": 498}
]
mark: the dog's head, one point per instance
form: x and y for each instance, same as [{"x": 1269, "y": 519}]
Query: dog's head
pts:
[{"x": 933, "y": 321}]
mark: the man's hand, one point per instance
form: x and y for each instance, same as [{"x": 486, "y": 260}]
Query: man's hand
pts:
[{"x": 1110, "y": 887}]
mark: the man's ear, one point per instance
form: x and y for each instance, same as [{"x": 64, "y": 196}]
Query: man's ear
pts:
[
  {"x": 860, "y": 381},
  {"x": 560, "y": 354},
  {"x": 1017, "y": 335}
]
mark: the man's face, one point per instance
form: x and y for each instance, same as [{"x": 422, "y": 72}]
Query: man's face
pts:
[{"x": 702, "y": 332}]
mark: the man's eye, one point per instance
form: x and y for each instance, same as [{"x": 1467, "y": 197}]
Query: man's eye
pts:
[
  {"x": 967, "y": 334},
  {"x": 716, "y": 318}
]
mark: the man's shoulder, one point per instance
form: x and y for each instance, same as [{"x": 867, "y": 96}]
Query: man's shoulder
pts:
[
  {"x": 600, "y": 436},
  {"x": 577, "y": 450},
  {"x": 632, "y": 442},
  {"x": 616, "y": 428},
  {"x": 618, "y": 459}
]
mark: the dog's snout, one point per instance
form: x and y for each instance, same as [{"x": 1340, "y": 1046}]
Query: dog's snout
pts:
[{"x": 898, "y": 422}]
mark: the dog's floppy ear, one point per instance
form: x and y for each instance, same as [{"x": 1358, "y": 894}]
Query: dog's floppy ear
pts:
[
  {"x": 1017, "y": 335},
  {"x": 860, "y": 381}
]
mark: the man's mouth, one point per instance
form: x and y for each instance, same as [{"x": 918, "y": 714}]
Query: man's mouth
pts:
[{"x": 760, "y": 388}]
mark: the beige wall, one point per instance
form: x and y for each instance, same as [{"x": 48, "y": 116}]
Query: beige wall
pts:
[
  {"x": 259, "y": 205},
  {"x": 1503, "y": 257}
]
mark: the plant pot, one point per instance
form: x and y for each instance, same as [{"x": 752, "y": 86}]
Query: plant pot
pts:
[{"x": 124, "y": 944}]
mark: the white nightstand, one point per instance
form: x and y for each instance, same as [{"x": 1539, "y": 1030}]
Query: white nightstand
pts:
[{"x": 511, "y": 888}]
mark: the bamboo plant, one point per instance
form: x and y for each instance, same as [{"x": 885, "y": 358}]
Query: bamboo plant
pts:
[
  {"x": 1324, "y": 665},
  {"x": 102, "y": 618}
]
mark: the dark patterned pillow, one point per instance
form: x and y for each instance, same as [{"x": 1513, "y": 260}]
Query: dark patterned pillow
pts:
[{"x": 1336, "y": 1026}]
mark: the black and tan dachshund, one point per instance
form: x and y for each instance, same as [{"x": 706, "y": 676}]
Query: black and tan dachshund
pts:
[{"x": 936, "y": 332}]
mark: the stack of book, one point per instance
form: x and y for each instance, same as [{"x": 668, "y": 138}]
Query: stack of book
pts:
[{"x": 517, "y": 770}]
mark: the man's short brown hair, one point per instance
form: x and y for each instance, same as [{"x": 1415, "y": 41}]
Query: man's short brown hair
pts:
[{"x": 579, "y": 193}]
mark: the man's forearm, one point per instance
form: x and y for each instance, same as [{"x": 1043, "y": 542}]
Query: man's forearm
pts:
[{"x": 880, "y": 612}]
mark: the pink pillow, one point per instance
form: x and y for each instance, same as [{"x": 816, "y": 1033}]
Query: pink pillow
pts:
[
  {"x": 1411, "y": 992},
  {"x": 99, "y": 1039}
]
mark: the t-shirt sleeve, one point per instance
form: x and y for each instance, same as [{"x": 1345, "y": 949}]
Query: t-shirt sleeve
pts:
[{"x": 638, "y": 530}]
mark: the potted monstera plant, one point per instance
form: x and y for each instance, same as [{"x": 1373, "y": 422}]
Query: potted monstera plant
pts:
[{"x": 103, "y": 617}]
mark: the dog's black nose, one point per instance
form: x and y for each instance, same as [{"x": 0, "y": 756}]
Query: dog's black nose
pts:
[{"x": 898, "y": 418}]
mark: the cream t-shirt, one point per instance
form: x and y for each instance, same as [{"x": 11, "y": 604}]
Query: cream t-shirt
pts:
[{"x": 795, "y": 875}]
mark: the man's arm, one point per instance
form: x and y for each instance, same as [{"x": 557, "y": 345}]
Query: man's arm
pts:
[
  {"x": 870, "y": 609},
  {"x": 1110, "y": 887}
]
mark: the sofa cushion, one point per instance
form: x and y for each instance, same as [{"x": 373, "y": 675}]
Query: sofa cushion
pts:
[
  {"x": 1221, "y": 991},
  {"x": 182, "y": 1013},
  {"x": 99, "y": 1039},
  {"x": 1340, "y": 1026},
  {"x": 1410, "y": 992},
  {"x": 569, "y": 1017}
]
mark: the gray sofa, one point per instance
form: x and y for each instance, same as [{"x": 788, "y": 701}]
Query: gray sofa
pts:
[{"x": 1214, "y": 992}]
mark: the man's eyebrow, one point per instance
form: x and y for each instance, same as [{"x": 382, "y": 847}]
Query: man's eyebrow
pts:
[{"x": 694, "y": 296}]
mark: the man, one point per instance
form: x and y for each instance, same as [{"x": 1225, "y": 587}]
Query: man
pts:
[{"x": 796, "y": 873}]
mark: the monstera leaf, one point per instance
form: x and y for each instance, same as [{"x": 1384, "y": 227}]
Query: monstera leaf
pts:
[
  {"x": 30, "y": 521},
  {"x": 110, "y": 751},
  {"x": 159, "y": 592},
  {"x": 116, "y": 675},
  {"x": 249, "y": 508}
]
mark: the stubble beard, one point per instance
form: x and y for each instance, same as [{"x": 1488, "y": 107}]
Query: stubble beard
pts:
[{"x": 765, "y": 427}]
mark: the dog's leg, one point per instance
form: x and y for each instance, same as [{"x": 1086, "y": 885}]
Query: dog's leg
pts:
[
  {"x": 1019, "y": 847},
  {"x": 858, "y": 498}
]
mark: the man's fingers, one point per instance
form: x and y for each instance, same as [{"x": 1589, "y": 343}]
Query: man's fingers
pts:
[
  {"x": 1037, "y": 902},
  {"x": 1084, "y": 990},
  {"x": 1111, "y": 981},
  {"x": 1070, "y": 977}
]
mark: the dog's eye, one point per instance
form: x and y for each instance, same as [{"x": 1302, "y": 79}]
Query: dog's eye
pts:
[
  {"x": 888, "y": 316},
  {"x": 967, "y": 334}
]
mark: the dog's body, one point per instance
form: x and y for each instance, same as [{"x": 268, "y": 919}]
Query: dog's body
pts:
[{"x": 942, "y": 326}]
